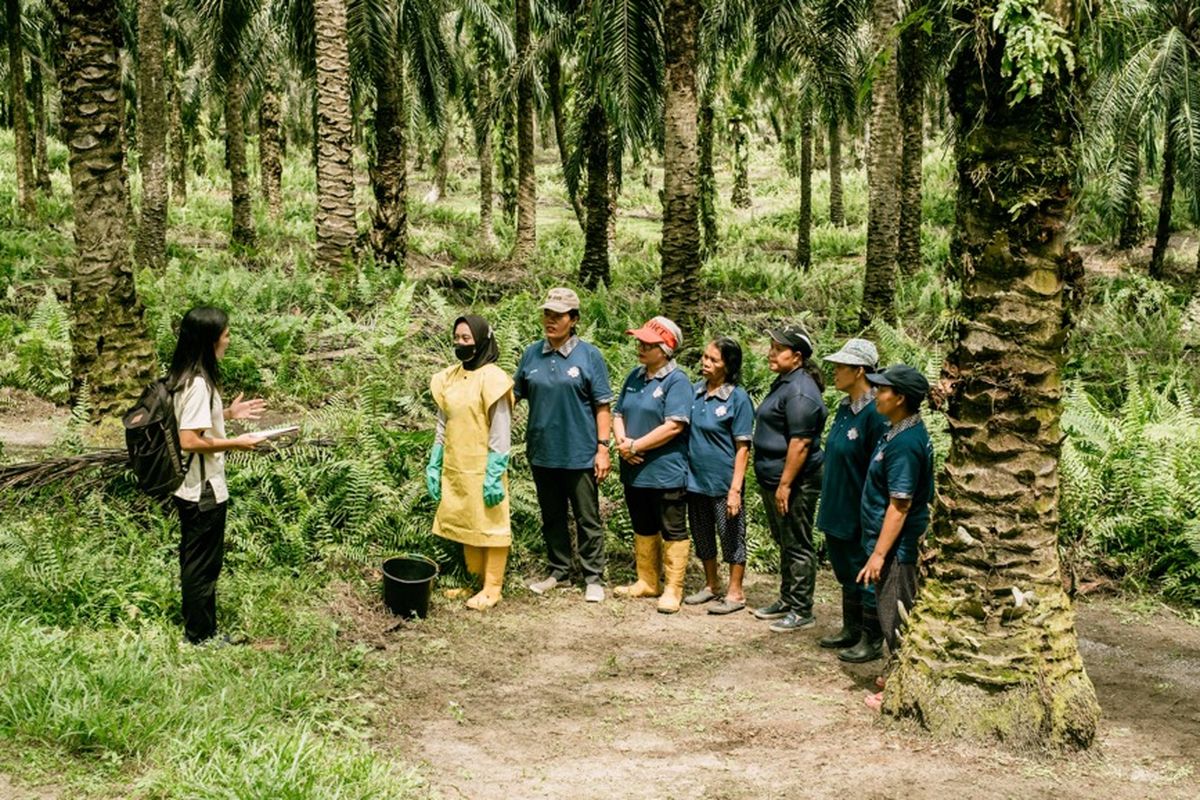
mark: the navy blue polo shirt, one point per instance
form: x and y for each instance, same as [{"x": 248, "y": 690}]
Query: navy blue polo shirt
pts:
[
  {"x": 849, "y": 445},
  {"x": 792, "y": 409},
  {"x": 563, "y": 387},
  {"x": 901, "y": 467},
  {"x": 718, "y": 422},
  {"x": 645, "y": 403}
]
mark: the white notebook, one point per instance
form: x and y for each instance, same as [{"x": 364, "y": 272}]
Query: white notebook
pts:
[{"x": 275, "y": 433}]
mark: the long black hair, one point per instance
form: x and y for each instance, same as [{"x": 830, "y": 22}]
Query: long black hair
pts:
[
  {"x": 196, "y": 350},
  {"x": 731, "y": 354}
]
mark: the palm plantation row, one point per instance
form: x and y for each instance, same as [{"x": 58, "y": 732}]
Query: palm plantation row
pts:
[{"x": 617, "y": 81}]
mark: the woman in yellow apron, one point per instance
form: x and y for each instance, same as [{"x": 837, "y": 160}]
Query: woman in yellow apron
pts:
[{"x": 468, "y": 466}]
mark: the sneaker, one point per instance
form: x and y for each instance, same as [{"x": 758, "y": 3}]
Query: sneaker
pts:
[
  {"x": 594, "y": 593},
  {"x": 544, "y": 585},
  {"x": 773, "y": 611},
  {"x": 793, "y": 622}
]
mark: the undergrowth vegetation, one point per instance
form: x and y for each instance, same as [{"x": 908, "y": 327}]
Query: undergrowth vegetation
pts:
[{"x": 94, "y": 685}]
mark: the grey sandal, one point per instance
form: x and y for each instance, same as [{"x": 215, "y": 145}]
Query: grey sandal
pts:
[
  {"x": 727, "y": 606},
  {"x": 702, "y": 596}
]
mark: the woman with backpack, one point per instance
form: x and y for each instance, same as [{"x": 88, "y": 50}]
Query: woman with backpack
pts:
[{"x": 194, "y": 380}]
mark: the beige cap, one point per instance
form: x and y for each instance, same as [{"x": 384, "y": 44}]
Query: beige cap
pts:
[{"x": 561, "y": 300}]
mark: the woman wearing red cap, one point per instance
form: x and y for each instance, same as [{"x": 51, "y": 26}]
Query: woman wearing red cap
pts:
[{"x": 649, "y": 419}]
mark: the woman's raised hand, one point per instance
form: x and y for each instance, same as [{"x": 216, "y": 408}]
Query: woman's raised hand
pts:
[{"x": 246, "y": 409}]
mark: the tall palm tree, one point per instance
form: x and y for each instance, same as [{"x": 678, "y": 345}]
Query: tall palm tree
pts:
[
  {"x": 1148, "y": 59},
  {"x": 150, "y": 247},
  {"x": 680, "y": 232},
  {"x": 22, "y": 135},
  {"x": 112, "y": 354},
  {"x": 335, "y": 219},
  {"x": 270, "y": 132},
  {"x": 990, "y": 649},
  {"x": 526, "y": 240},
  {"x": 39, "y": 28},
  {"x": 913, "y": 66},
  {"x": 883, "y": 167}
]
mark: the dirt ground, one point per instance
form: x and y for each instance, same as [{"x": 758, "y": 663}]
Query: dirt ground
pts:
[{"x": 553, "y": 698}]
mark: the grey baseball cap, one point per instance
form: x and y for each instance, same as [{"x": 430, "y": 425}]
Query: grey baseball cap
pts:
[
  {"x": 856, "y": 353},
  {"x": 560, "y": 300}
]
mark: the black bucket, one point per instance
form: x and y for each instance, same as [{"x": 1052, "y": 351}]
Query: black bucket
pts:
[{"x": 407, "y": 584}]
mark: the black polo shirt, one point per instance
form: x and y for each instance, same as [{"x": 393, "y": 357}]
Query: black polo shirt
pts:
[{"x": 792, "y": 409}]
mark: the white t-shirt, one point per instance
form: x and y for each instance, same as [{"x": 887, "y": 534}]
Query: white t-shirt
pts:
[{"x": 194, "y": 412}]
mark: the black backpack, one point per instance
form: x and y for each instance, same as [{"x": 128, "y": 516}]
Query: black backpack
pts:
[{"x": 152, "y": 440}]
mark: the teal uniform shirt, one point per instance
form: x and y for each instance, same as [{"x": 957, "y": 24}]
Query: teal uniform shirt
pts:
[
  {"x": 902, "y": 467},
  {"x": 849, "y": 445},
  {"x": 563, "y": 387},
  {"x": 718, "y": 422},
  {"x": 646, "y": 402}
]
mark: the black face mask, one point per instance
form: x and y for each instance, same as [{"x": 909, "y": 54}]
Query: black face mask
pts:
[{"x": 464, "y": 352}]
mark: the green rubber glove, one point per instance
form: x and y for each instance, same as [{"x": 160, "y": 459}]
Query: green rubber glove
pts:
[
  {"x": 493, "y": 483},
  {"x": 433, "y": 473}
]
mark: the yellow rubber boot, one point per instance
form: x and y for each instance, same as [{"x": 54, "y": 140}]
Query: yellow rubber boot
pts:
[
  {"x": 494, "y": 561},
  {"x": 648, "y": 554},
  {"x": 473, "y": 558},
  {"x": 675, "y": 559}
]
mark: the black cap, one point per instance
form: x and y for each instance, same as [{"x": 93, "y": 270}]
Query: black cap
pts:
[
  {"x": 906, "y": 380},
  {"x": 793, "y": 335}
]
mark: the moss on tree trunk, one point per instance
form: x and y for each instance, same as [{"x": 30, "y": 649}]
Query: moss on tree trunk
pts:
[{"x": 991, "y": 651}]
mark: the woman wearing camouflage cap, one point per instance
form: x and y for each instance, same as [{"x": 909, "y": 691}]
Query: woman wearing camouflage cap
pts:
[{"x": 849, "y": 445}]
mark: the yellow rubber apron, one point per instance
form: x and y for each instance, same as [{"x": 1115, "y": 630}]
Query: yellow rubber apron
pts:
[{"x": 464, "y": 396}]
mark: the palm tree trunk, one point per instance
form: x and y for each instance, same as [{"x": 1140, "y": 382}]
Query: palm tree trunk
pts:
[
  {"x": 883, "y": 215},
  {"x": 526, "y": 240},
  {"x": 1162, "y": 233},
  {"x": 483, "y": 137},
  {"x": 554, "y": 91},
  {"x": 912, "y": 125},
  {"x": 178, "y": 136},
  {"x": 508, "y": 163},
  {"x": 787, "y": 137},
  {"x": 803, "y": 259},
  {"x": 150, "y": 247},
  {"x": 991, "y": 651},
  {"x": 837, "y": 214},
  {"x": 593, "y": 270},
  {"x": 22, "y": 137},
  {"x": 242, "y": 234},
  {"x": 708, "y": 181},
  {"x": 389, "y": 177},
  {"x": 441, "y": 165},
  {"x": 112, "y": 353},
  {"x": 37, "y": 97},
  {"x": 820, "y": 158},
  {"x": 1131, "y": 210},
  {"x": 336, "y": 226},
  {"x": 270, "y": 143},
  {"x": 740, "y": 197},
  {"x": 680, "y": 234}
]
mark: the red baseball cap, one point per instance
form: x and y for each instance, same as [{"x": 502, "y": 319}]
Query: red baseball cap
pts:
[{"x": 658, "y": 330}]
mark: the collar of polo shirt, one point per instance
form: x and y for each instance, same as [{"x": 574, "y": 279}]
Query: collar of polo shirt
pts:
[
  {"x": 861, "y": 403},
  {"x": 903, "y": 425},
  {"x": 666, "y": 370},
  {"x": 566, "y": 348},
  {"x": 723, "y": 392}
]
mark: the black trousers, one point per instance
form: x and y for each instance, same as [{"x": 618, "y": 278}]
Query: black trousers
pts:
[
  {"x": 793, "y": 532},
  {"x": 897, "y": 587},
  {"x": 556, "y": 490},
  {"x": 201, "y": 554},
  {"x": 848, "y": 557}
]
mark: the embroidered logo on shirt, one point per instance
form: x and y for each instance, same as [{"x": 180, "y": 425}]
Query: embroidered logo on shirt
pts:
[
  {"x": 721, "y": 411},
  {"x": 658, "y": 392},
  {"x": 573, "y": 372},
  {"x": 879, "y": 456},
  {"x": 852, "y": 434}
]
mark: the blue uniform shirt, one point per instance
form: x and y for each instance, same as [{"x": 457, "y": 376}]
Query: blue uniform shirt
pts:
[
  {"x": 646, "y": 402},
  {"x": 563, "y": 387},
  {"x": 849, "y": 445},
  {"x": 902, "y": 467},
  {"x": 792, "y": 409},
  {"x": 718, "y": 422}
]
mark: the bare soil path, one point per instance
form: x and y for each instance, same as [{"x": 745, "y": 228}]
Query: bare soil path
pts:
[{"x": 554, "y": 698}]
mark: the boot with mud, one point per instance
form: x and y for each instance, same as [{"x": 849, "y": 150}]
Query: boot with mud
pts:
[
  {"x": 494, "y": 561},
  {"x": 675, "y": 559},
  {"x": 648, "y": 555}
]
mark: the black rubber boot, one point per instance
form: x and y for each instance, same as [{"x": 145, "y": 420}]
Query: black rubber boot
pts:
[
  {"x": 870, "y": 644},
  {"x": 852, "y": 612}
]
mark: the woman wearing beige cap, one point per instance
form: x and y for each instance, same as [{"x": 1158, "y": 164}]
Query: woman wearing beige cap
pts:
[
  {"x": 565, "y": 382},
  {"x": 650, "y": 418}
]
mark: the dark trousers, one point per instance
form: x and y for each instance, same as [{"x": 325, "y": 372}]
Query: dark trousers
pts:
[
  {"x": 793, "y": 532},
  {"x": 897, "y": 587},
  {"x": 556, "y": 489},
  {"x": 848, "y": 557},
  {"x": 201, "y": 553}
]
